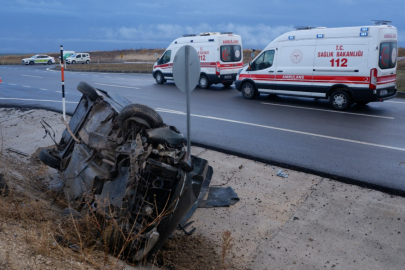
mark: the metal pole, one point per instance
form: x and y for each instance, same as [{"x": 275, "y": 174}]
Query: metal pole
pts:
[
  {"x": 188, "y": 103},
  {"x": 63, "y": 82}
]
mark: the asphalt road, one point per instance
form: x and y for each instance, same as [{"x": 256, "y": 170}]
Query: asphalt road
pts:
[{"x": 364, "y": 145}]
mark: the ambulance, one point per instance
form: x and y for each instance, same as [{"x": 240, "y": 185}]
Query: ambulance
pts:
[
  {"x": 344, "y": 65},
  {"x": 220, "y": 55}
]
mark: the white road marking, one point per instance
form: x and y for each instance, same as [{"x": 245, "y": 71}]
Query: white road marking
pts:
[
  {"x": 107, "y": 76},
  {"x": 283, "y": 129},
  {"x": 61, "y": 92},
  {"x": 43, "y": 89},
  {"x": 29, "y": 99},
  {"x": 118, "y": 86},
  {"x": 395, "y": 102},
  {"x": 12, "y": 84},
  {"x": 369, "y": 115},
  {"x": 32, "y": 76},
  {"x": 26, "y": 86}
]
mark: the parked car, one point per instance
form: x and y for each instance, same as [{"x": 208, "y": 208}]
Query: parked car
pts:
[
  {"x": 39, "y": 59},
  {"x": 120, "y": 161},
  {"x": 66, "y": 54},
  {"x": 78, "y": 58}
]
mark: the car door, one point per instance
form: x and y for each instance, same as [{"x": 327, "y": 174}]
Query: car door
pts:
[
  {"x": 165, "y": 64},
  {"x": 262, "y": 71},
  {"x": 79, "y": 58}
]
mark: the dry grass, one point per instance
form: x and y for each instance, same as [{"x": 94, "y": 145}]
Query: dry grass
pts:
[
  {"x": 119, "y": 68},
  {"x": 401, "y": 80}
]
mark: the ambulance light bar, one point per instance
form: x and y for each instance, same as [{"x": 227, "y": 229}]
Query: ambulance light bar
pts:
[
  {"x": 319, "y": 36},
  {"x": 364, "y": 29},
  {"x": 363, "y": 34},
  {"x": 291, "y": 37},
  {"x": 380, "y": 22}
]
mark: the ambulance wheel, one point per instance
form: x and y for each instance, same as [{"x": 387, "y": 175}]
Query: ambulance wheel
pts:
[
  {"x": 362, "y": 103},
  {"x": 248, "y": 90},
  {"x": 340, "y": 100},
  {"x": 87, "y": 90},
  {"x": 227, "y": 85},
  {"x": 203, "y": 82},
  {"x": 159, "y": 78}
]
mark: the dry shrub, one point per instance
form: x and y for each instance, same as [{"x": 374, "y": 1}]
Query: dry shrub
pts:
[{"x": 226, "y": 247}]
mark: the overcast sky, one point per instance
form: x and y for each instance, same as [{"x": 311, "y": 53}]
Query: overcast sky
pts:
[{"x": 28, "y": 26}]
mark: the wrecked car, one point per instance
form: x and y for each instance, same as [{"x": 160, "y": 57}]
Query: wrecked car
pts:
[{"x": 121, "y": 161}]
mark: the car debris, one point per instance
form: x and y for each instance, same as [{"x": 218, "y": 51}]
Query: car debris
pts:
[
  {"x": 17, "y": 152},
  {"x": 281, "y": 174},
  {"x": 126, "y": 165}
]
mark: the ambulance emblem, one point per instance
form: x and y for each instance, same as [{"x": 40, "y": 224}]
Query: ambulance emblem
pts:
[{"x": 296, "y": 56}]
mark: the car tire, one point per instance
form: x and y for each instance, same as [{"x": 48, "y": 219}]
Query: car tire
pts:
[
  {"x": 149, "y": 115},
  {"x": 73, "y": 62},
  {"x": 159, "y": 78},
  {"x": 46, "y": 157},
  {"x": 203, "y": 82},
  {"x": 340, "y": 100},
  {"x": 49, "y": 62},
  {"x": 88, "y": 91},
  {"x": 227, "y": 85},
  {"x": 31, "y": 62},
  {"x": 248, "y": 90},
  {"x": 87, "y": 62},
  {"x": 362, "y": 103}
]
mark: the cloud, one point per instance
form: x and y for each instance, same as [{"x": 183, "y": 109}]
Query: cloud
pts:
[{"x": 255, "y": 36}]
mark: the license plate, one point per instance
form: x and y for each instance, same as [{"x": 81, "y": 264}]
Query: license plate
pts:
[
  {"x": 383, "y": 92},
  {"x": 228, "y": 77}
]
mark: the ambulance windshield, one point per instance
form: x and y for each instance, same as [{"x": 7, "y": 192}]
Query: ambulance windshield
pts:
[
  {"x": 388, "y": 55},
  {"x": 231, "y": 53}
]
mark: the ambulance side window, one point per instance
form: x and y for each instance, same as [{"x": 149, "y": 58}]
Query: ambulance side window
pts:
[
  {"x": 388, "y": 55},
  {"x": 265, "y": 60},
  {"x": 166, "y": 57}
]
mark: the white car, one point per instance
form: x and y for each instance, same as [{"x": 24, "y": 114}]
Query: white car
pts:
[
  {"x": 78, "y": 58},
  {"x": 39, "y": 59}
]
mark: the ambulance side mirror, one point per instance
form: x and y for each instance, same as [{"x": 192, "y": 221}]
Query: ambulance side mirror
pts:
[
  {"x": 157, "y": 60},
  {"x": 250, "y": 66}
]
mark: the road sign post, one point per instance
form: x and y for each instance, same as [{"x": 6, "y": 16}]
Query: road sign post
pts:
[
  {"x": 186, "y": 73},
  {"x": 63, "y": 83}
]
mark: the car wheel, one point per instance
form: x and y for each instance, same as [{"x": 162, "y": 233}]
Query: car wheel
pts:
[
  {"x": 73, "y": 62},
  {"x": 138, "y": 113},
  {"x": 87, "y": 90},
  {"x": 87, "y": 62},
  {"x": 159, "y": 78},
  {"x": 340, "y": 100},
  {"x": 31, "y": 62},
  {"x": 49, "y": 62},
  {"x": 248, "y": 90},
  {"x": 362, "y": 103},
  {"x": 203, "y": 82},
  {"x": 227, "y": 85},
  {"x": 49, "y": 159}
]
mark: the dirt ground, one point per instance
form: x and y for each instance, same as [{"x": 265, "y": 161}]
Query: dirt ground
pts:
[
  {"x": 31, "y": 216},
  {"x": 284, "y": 220}
]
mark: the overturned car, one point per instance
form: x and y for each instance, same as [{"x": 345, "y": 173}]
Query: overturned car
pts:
[{"x": 120, "y": 161}]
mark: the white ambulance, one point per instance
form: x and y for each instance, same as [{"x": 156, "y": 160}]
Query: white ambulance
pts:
[
  {"x": 345, "y": 65},
  {"x": 220, "y": 54}
]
